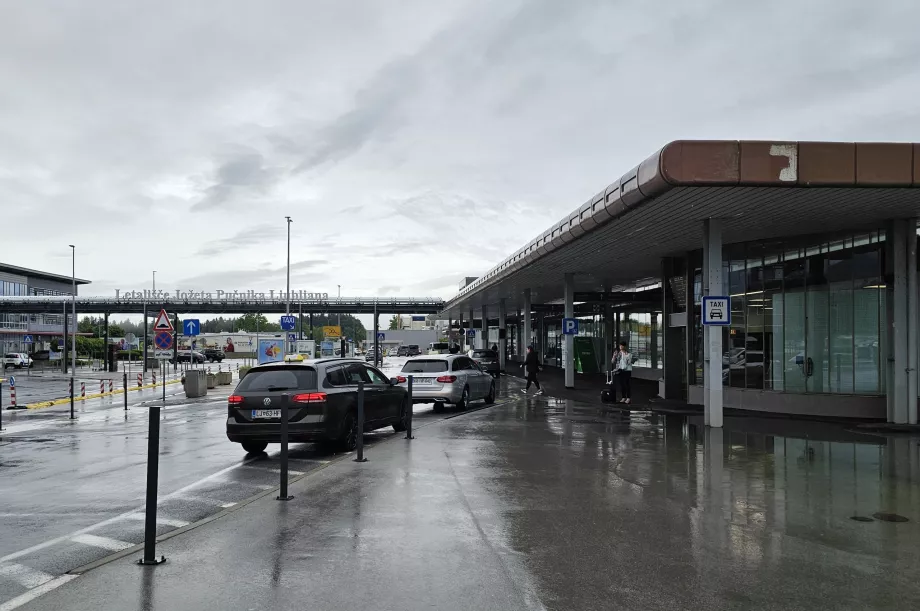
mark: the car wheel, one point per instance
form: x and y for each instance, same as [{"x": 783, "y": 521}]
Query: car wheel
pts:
[
  {"x": 254, "y": 447},
  {"x": 349, "y": 439},
  {"x": 464, "y": 398},
  {"x": 403, "y": 422},
  {"x": 490, "y": 398}
]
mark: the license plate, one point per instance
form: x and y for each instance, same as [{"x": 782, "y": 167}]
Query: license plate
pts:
[
  {"x": 266, "y": 413},
  {"x": 423, "y": 380}
]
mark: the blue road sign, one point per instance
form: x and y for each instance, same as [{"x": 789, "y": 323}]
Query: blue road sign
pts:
[
  {"x": 12, "y": 381},
  {"x": 292, "y": 337},
  {"x": 163, "y": 340},
  {"x": 288, "y": 322},
  {"x": 381, "y": 337},
  {"x": 717, "y": 310},
  {"x": 26, "y": 339},
  {"x": 471, "y": 333},
  {"x": 570, "y": 326},
  {"x": 191, "y": 327}
]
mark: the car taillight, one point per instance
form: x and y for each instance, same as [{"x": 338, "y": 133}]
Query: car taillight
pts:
[
  {"x": 310, "y": 397},
  {"x": 401, "y": 379},
  {"x": 234, "y": 399},
  {"x": 447, "y": 379}
]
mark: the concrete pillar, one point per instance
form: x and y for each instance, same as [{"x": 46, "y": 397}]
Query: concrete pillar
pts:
[
  {"x": 673, "y": 364},
  {"x": 912, "y": 322},
  {"x": 146, "y": 342},
  {"x": 712, "y": 335},
  {"x": 616, "y": 332},
  {"x": 569, "y": 339},
  {"x": 484, "y": 340},
  {"x": 609, "y": 348},
  {"x": 528, "y": 328},
  {"x": 654, "y": 340},
  {"x": 105, "y": 344},
  {"x": 900, "y": 329},
  {"x": 502, "y": 333}
]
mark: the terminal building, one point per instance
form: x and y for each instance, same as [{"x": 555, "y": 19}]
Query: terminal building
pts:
[
  {"x": 814, "y": 245},
  {"x": 17, "y": 329}
]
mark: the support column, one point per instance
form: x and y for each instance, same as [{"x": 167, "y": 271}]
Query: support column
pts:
[
  {"x": 527, "y": 337},
  {"x": 484, "y": 340},
  {"x": 899, "y": 327},
  {"x": 65, "y": 361},
  {"x": 913, "y": 311},
  {"x": 616, "y": 332},
  {"x": 654, "y": 346},
  {"x": 469, "y": 342},
  {"x": 376, "y": 329},
  {"x": 569, "y": 356},
  {"x": 502, "y": 333},
  {"x": 105, "y": 343},
  {"x": 712, "y": 335},
  {"x": 146, "y": 342},
  {"x": 462, "y": 331},
  {"x": 673, "y": 363}
]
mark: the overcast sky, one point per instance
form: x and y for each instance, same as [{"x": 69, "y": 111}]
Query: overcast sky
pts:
[{"x": 412, "y": 142}]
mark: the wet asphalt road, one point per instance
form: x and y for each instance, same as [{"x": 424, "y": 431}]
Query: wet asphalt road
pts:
[{"x": 72, "y": 492}]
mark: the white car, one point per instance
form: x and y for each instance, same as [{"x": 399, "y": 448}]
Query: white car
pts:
[
  {"x": 448, "y": 378},
  {"x": 19, "y": 360}
]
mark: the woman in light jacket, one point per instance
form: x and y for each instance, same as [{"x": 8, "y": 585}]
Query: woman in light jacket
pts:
[{"x": 622, "y": 371}]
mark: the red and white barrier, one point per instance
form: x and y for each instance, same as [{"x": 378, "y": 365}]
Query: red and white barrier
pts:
[
  {"x": 111, "y": 386},
  {"x": 101, "y": 387},
  {"x": 12, "y": 392},
  {"x": 154, "y": 378},
  {"x": 140, "y": 380},
  {"x": 82, "y": 390}
]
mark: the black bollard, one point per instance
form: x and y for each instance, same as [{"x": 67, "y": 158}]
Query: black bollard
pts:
[
  {"x": 71, "y": 398},
  {"x": 1, "y": 405},
  {"x": 153, "y": 471},
  {"x": 360, "y": 439},
  {"x": 164, "y": 383},
  {"x": 409, "y": 415},
  {"x": 285, "y": 410},
  {"x": 126, "y": 390}
]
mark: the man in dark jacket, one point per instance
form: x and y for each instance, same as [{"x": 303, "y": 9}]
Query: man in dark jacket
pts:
[{"x": 532, "y": 366}]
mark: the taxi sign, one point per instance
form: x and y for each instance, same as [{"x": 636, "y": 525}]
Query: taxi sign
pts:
[
  {"x": 293, "y": 358},
  {"x": 717, "y": 310}
]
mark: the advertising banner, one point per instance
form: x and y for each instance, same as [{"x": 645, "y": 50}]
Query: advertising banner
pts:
[
  {"x": 271, "y": 350},
  {"x": 332, "y": 332}
]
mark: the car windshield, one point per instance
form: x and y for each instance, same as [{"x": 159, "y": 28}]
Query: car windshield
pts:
[
  {"x": 488, "y": 354},
  {"x": 279, "y": 378},
  {"x": 425, "y": 366}
]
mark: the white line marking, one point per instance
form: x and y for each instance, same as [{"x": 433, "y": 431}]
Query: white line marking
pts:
[
  {"x": 104, "y": 542},
  {"x": 34, "y": 593},
  {"x": 205, "y": 499},
  {"x": 226, "y": 505},
  {"x": 91, "y": 527},
  {"x": 273, "y": 470},
  {"x": 160, "y": 520},
  {"x": 26, "y": 576}
]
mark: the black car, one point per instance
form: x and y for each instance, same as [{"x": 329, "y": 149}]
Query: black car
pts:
[
  {"x": 488, "y": 361},
  {"x": 184, "y": 357},
  {"x": 323, "y": 404},
  {"x": 413, "y": 350},
  {"x": 214, "y": 355},
  {"x": 403, "y": 351}
]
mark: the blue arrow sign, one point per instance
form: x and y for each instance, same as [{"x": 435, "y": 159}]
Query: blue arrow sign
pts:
[
  {"x": 288, "y": 322},
  {"x": 191, "y": 327},
  {"x": 570, "y": 326},
  {"x": 27, "y": 339}
]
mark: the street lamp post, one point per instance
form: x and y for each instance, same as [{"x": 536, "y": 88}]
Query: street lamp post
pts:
[
  {"x": 73, "y": 337},
  {"x": 287, "y": 341},
  {"x": 341, "y": 335},
  {"x": 154, "y": 282}
]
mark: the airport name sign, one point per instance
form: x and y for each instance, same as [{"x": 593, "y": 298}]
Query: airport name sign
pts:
[{"x": 241, "y": 296}]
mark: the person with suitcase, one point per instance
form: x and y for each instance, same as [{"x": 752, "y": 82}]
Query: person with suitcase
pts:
[{"x": 622, "y": 372}]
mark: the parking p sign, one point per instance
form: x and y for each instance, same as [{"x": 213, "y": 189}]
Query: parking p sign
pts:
[
  {"x": 717, "y": 310},
  {"x": 570, "y": 326}
]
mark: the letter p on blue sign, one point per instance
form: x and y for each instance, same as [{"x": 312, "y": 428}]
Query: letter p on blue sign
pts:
[{"x": 569, "y": 326}]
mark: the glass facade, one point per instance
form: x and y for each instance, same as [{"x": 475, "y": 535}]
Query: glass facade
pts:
[
  {"x": 643, "y": 334},
  {"x": 807, "y": 316}
]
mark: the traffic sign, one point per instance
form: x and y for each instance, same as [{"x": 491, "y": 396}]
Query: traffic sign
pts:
[
  {"x": 332, "y": 332},
  {"x": 26, "y": 339},
  {"x": 163, "y": 355},
  {"x": 471, "y": 333},
  {"x": 288, "y": 322},
  {"x": 717, "y": 310},
  {"x": 162, "y": 322},
  {"x": 191, "y": 327},
  {"x": 292, "y": 337},
  {"x": 130, "y": 337},
  {"x": 570, "y": 326},
  {"x": 381, "y": 337},
  {"x": 163, "y": 341},
  {"x": 12, "y": 380}
]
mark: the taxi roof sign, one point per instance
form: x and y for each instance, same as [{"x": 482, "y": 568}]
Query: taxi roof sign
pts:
[{"x": 293, "y": 358}]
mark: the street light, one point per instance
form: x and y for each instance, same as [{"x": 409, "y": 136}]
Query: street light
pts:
[
  {"x": 287, "y": 341},
  {"x": 154, "y": 282},
  {"x": 73, "y": 330}
]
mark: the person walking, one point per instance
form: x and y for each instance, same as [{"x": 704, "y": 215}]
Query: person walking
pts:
[
  {"x": 532, "y": 367},
  {"x": 622, "y": 372}
]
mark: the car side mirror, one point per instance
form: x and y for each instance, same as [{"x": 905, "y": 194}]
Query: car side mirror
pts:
[{"x": 393, "y": 381}]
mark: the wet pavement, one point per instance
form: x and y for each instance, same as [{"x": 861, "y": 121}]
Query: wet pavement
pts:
[{"x": 539, "y": 503}]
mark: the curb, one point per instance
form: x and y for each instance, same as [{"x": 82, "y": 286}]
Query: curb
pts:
[{"x": 119, "y": 391}]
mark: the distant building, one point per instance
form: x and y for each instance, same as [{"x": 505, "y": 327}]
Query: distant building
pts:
[{"x": 43, "y": 328}]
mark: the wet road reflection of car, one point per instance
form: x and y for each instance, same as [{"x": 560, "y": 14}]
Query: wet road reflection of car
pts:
[
  {"x": 323, "y": 403},
  {"x": 454, "y": 379}
]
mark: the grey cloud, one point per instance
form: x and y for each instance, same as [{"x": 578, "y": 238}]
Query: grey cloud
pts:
[
  {"x": 245, "y": 237},
  {"x": 242, "y": 176}
]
